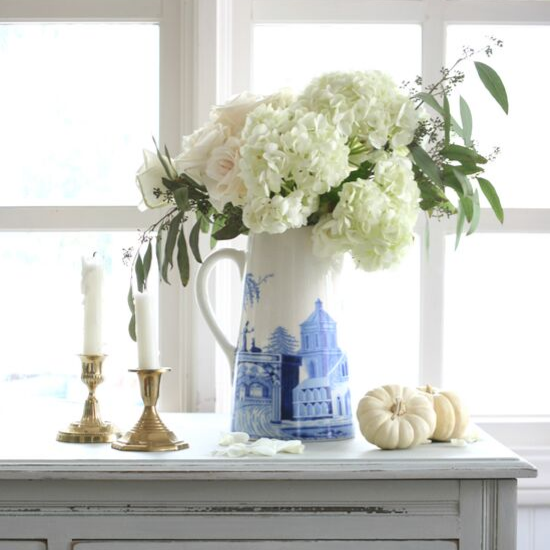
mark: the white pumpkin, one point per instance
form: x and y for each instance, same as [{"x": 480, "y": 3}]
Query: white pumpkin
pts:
[
  {"x": 396, "y": 417},
  {"x": 452, "y": 415}
]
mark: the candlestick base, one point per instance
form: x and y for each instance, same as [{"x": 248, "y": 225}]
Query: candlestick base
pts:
[
  {"x": 149, "y": 434},
  {"x": 90, "y": 428}
]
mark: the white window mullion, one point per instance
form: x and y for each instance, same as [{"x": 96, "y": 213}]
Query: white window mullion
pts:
[
  {"x": 433, "y": 256},
  {"x": 173, "y": 103},
  {"x": 498, "y": 11},
  {"x": 81, "y": 10},
  {"x": 329, "y": 11},
  {"x": 74, "y": 218}
]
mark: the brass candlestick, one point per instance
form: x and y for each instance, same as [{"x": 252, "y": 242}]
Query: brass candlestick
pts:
[
  {"x": 149, "y": 434},
  {"x": 90, "y": 428}
]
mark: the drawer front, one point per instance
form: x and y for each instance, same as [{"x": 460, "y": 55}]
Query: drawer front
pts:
[
  {"x": 269, "y": 545},
  {"x": 22, "y": 545}
]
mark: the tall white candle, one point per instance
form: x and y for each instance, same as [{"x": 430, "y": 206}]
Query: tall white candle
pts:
[
  {"x": 146, "y": 331},
  {"x": 92, "y": 290}
]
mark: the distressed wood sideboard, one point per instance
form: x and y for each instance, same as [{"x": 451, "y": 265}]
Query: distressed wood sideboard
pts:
[{"x": 343, "y": 495}]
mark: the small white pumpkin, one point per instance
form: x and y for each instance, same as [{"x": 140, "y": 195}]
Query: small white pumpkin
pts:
[
  {"x": 452, "y": 415},
  {"x": 396, "y": 417}
]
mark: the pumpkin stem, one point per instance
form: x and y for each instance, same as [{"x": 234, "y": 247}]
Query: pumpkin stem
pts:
[
  {"x": 429, "y": 389},
  {"x": 398, "y": 408}
]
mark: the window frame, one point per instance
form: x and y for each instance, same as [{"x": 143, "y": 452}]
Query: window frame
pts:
[{"x": 187, "y": 88}]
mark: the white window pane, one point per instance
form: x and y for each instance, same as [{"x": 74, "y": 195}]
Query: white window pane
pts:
[
  {"x": 42, "y": 320},
  {"x": 380, "y": 329},
  {"x": 497, "y": 300},
  {"x": 78, "y": 104},
  {"x": 519, "y": 173},
  {"x": 290, "y": 55}
]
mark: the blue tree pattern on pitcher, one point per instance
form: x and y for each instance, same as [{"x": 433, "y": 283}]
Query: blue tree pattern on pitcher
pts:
[
  {"x": 293, "y": 390},
  {"x": 281, "y": 341},
  {"x": 252, "y": 288}
]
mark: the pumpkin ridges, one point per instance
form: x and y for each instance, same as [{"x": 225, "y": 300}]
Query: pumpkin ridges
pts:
[
  {"x": 389, "y": 425},
  {"x": 452, "y": 416},
  {"x": 406, "y": 434},
  {"x": 388, "y": 435}
]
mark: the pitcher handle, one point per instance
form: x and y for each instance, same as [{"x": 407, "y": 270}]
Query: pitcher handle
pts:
[{"x": 203, "y": 298}]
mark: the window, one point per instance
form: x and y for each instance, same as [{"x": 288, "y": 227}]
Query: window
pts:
[
  {"x": 84, "y": 91},
  {"x": 161, "y": 80}
]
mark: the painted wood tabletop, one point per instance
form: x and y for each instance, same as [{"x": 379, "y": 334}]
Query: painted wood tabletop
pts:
[{"x": 36, "y": 455}]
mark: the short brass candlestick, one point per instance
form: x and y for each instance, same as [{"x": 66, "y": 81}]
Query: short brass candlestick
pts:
[
  {"x": 149, "y": 434},
  {"x": 90, "y": 428}
]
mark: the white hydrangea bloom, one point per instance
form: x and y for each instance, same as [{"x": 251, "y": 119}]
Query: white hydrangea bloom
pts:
[
  {"x": 288, "y": 153},
  {"x": 364, "y": 104},
  {"x": 277, "y": 214},
  {"x": 374, "y": 219}
]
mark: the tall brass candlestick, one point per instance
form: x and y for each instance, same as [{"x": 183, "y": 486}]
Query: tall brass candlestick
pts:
[
  {"x": 149, "y": 434},
  {"x": 90, "y": 428}
]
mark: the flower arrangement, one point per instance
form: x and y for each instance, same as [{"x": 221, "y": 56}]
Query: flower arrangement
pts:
[{"x": 353, "y": 155}]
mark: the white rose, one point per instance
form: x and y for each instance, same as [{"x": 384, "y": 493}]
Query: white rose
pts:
[
  {"x": 197, "y": 148},
  {"x": 222, "y": 168},
  {"x": 149, "y": 180}
]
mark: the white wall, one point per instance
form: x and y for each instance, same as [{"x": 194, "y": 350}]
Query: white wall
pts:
[{"x": 534, "y": 528}]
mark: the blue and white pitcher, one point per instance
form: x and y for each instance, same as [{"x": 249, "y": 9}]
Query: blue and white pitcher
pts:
[{"x": 290, "y": 375}]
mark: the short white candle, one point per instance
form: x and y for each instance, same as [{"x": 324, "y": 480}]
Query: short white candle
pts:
[
  {"x": 92, "y": 290},
  {"x": 146, "y": 331}
]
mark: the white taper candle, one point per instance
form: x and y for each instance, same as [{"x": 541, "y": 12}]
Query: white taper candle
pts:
[
  {"x": 146, "y": 331},
  {"x": 92, "y": 290}
]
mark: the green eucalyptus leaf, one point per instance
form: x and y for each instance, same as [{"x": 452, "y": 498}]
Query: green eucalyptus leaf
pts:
[
  {"x": 431, "y": 101},
  {"x": 192, "y": 182},
  {"x": 459, "y": 225},
  {"x": 450, "y": 180},
  {"x": 159, "y": 251},
  {"x": 132, "y": 324},
  {"x": 183, "y": 259},
  {"x": 171, "y": 239},
  {"x": 428, "y": 190},
  {"x": 140, "y": 273},
  {"x": 194, "y": 241},
  {"x": 468, "y": 207},
  {"x": 132, "y": 327},
  {"x": 462, "y": 154},
  {"x": 204, "y": 222},
  {"x": 476, "y": 214},
  {"x": 467, "y": 168},
  {"x": 492, "y": 196},
  {"x": 425, "y": 163},
  {"x": 467, "y": 122},
  {"x": 493, "y": 83},
  {"x": 131, "y": 304},
  {"x": 233, "y": 229},
  {"x": 181, "y": 197},
  {"x": 467, "y": 189},
  {"x": 166, "y": 163},
  {"x": 172, "y": 185},
  {"x": 147, "y": 259},
  {"x": 446, "y": 119}
]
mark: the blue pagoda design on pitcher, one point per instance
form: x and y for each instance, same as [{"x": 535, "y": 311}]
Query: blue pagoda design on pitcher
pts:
[
  {"x": 325, "y": 393},
  {"x": 288, "y": 390}
]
